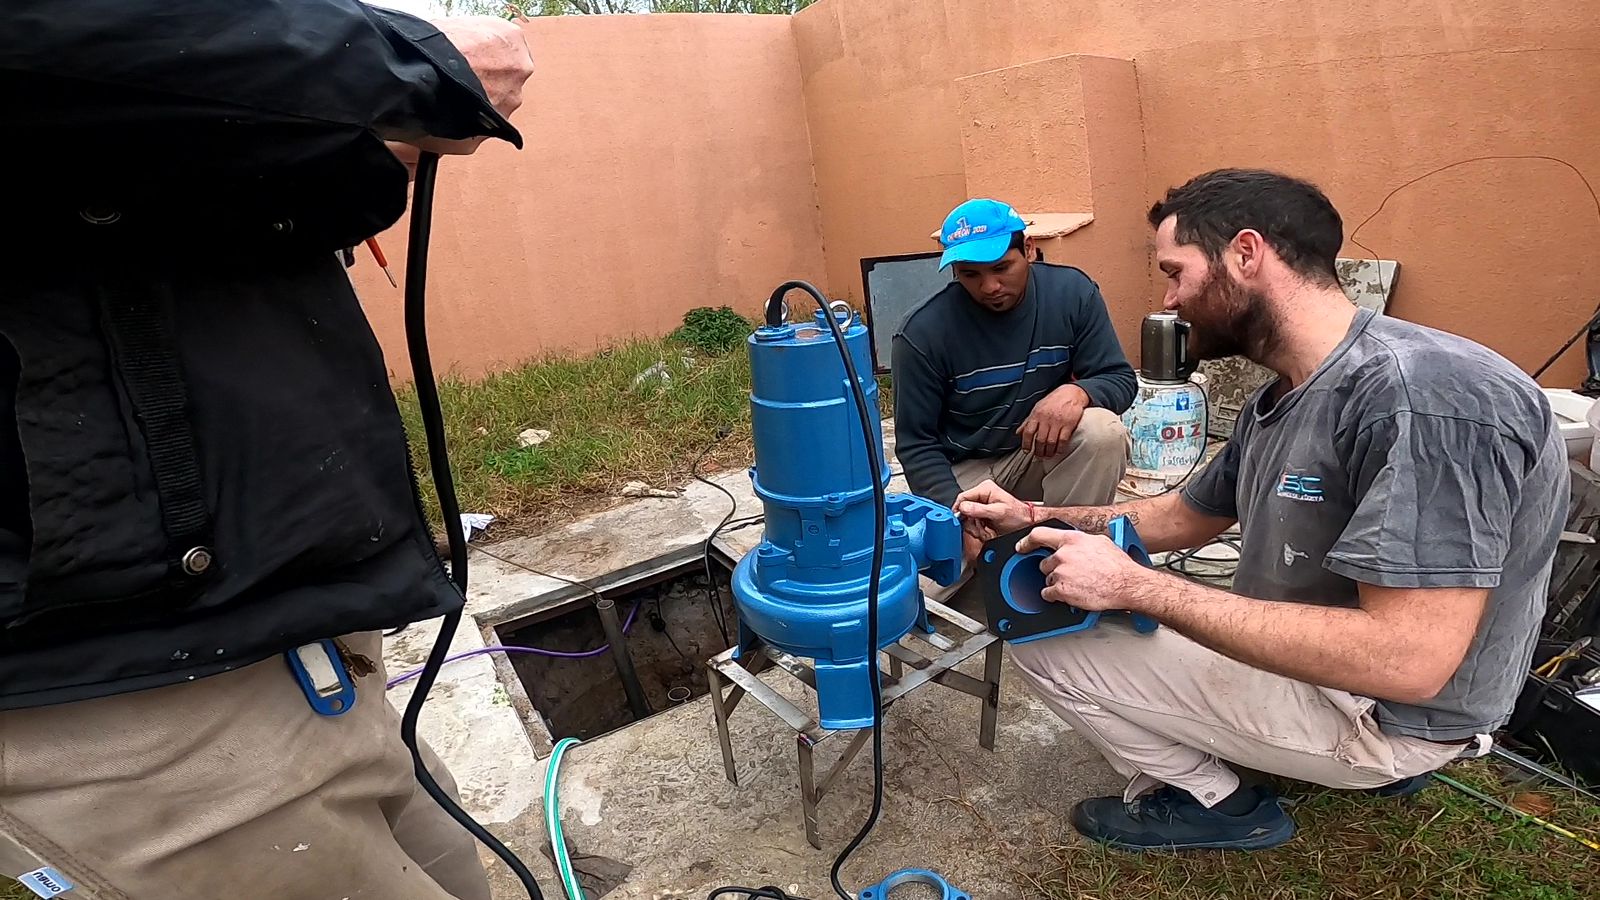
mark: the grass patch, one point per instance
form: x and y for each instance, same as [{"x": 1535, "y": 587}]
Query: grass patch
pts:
[
  {"x": 607, "y": 425},
  {"x": 1440, "y": 843},
  {"x": 10, "y": 890}
]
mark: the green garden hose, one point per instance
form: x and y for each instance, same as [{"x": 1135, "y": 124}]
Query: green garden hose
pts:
[{"x": 552, "y": 819}]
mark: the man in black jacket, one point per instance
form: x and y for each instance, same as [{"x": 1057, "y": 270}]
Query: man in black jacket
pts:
[
  {"x": 202, "y": 467},
  {"x": 1011, "y": 374}
]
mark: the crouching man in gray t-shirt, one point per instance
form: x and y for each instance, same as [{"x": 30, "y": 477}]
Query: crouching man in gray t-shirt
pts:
[{"x": 1400, "y": 492}]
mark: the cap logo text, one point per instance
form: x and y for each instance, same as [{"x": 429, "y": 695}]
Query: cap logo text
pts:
[{"x": 963, "y": 230}]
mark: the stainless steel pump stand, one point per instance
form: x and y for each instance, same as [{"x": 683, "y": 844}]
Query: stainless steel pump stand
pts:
[{"x": 938, "y": 667}]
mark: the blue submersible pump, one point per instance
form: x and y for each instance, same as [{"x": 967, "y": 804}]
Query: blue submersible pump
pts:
[
  {"x": 834, "y": 578},
  {"x": 819, "y": 470}
]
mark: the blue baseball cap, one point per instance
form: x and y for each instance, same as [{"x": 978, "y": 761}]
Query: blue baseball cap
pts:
[{"x": 978, "y": 231}]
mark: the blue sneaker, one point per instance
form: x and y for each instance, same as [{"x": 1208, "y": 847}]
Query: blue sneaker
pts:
[
  {"x": 1171, "y": 819},
  {"x": 1405, "y": 787}
]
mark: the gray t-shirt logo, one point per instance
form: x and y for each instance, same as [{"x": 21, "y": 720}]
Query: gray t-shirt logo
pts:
[{"x": 1296, "y": 485}]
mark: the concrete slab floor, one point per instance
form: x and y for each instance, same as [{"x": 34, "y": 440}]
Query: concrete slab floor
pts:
[
  {"x": 478, "y": 717},
  {"x": 654, "y": 796}
]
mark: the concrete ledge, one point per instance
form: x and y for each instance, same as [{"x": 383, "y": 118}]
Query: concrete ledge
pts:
[
  {"x": 479, "y": 719},
  {"x": 471, "y": 722}
]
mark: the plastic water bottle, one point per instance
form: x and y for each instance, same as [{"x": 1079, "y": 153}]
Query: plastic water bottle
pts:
[{"x": 1167, "y": 424}]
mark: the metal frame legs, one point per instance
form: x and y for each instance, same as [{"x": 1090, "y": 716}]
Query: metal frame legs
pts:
[{"x": 730, "y": 680}]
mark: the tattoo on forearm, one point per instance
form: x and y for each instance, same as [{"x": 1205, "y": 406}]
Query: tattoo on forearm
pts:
[
  {"x": 1095, "y": 519},
  {"x": 1091, "y": 520}
]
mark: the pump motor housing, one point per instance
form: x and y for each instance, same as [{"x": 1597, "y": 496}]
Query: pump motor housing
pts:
[{"x": 804, "y": 588}]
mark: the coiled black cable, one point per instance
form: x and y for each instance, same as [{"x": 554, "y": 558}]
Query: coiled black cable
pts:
[{"x": 416, "y": 320}]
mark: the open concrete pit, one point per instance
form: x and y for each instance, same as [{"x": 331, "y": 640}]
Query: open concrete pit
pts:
[{"x": 671, "y": 630}]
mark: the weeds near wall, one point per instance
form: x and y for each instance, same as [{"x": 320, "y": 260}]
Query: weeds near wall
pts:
[
  {"x": 713, "y": 330},
  {"x": 637, "y": 412}
]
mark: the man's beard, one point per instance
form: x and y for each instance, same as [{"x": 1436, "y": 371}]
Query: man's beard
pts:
[{"x": 1226, "y": 319}]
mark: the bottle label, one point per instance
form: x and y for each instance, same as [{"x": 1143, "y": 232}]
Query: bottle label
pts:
[{"x": 1167, "y": 428}]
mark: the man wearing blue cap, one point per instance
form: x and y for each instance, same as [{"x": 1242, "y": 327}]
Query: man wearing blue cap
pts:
[{"x": 1011, "y": 373}]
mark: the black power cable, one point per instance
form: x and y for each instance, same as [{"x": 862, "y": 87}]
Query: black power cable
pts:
[
  {"x": 881, "y": 524},
  {"x": 775, "y": 316},
  {"x": 1179, "y": 562},
  {"x": 416, "y": 320},
  {"x": 1593, "y": 195},
  {"x": 713, "y": 591}
]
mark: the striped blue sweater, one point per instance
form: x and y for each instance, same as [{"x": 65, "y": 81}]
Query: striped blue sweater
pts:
[{"x": 966, "y": 378}]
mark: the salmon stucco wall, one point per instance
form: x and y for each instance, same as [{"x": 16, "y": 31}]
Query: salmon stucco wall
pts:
[
  {"x": 1065, "y": 135},
  {"x": 667, "y": 167},
  {"x": 1358, "y": 97}
]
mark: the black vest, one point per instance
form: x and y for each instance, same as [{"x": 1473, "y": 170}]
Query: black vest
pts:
[
  {"x": 216, "y": 469},
  {"x": 201, "y": 461}
]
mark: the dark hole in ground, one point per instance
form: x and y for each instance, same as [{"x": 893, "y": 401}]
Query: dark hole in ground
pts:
[{"x": 672, "y": 636}]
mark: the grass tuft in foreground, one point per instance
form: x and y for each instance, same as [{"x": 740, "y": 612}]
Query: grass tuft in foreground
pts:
[
  {"x": 638, "y": 412},
  {"x": 1440, "y": 843}
]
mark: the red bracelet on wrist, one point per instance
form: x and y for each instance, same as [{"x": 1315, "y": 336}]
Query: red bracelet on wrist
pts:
[{"x": 1033, "y": 513}]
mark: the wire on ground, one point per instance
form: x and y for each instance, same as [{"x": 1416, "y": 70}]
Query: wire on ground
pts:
[{"x": 514, "y": 648}]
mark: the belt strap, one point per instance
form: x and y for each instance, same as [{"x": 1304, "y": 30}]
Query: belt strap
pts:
[
  {"x": 1479, "y": 745},
  {"x": 139, "y": 332}
]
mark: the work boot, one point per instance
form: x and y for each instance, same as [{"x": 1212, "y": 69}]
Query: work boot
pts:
[
  {"x": 1172, "y": 819},
  {"x": 1405, "y": 787}
]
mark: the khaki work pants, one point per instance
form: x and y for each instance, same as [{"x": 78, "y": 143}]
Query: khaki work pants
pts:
[
  {"x": 1084, "y": 474},
  {"x": 1164, "y": 710},
  {"x": 230, "y": 786}
]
